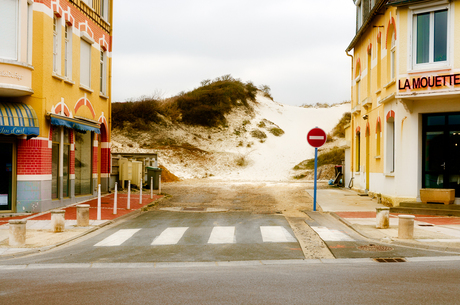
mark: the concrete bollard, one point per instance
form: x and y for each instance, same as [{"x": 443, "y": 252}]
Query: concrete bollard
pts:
[
  {"x": 17, "y": 232},
  {"x": 115, "y": 198},
  {"x": 83, "y": 215},
  {"x": 406, "y": 226},
  {"x": 58, "y": 220},
  {"x": 128, "y": 204},
  {"x": 383, "y": 218}
]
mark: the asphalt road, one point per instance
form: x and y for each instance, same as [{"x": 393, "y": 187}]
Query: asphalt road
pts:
[
  {"x": 162, "y": 236},
  {"x": 340, "y": 282}
]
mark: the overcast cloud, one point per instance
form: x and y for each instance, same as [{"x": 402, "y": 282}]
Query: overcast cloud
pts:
[{"x": 294, "y": 46}]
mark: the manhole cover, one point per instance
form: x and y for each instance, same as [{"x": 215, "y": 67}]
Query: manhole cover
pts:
[
  {"x": 390, "y": 260},
  {"x": 375, "y": 248}
]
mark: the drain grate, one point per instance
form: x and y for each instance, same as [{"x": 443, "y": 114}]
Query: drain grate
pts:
[
  {"x": 375, "y": 248},
  {"x": 426, "y": 225},
  {"x": 390, "y": 260}
]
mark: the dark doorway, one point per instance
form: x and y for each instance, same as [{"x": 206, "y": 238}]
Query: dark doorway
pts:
[
  {"x": 441, "y": 151},
  {"x": 6, "y": 176}
]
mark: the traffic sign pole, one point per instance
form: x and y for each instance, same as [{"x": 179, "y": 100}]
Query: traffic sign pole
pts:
[
  {"x": 316, "y": 170},
  {"x": 316, "y": 138}
]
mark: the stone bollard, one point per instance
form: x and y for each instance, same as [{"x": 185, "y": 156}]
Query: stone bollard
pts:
[
  {"x": 58, "y": 220},
  {"x": 406, "y": 226},
  {"x": 17, "y": 232},
  {"x": 383, "y": 218},
  {"x": 83, "y": 215}
]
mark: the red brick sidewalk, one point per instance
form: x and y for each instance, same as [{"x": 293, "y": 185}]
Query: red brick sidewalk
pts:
[{"x": 107, "y": 203}]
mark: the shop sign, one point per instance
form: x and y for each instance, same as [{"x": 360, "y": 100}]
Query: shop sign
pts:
[
  {"x": 429, "y": 82},
  {"x": 14, "y": 130},
  {"x": 10, "y": 74}
]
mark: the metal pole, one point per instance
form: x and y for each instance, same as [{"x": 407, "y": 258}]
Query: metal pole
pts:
[
  {"x": 140, "y": 196},
  {"x": 99, "y": 202},
  {"x": 316, "y": 169},
  {"x": 129, "y": 195},
  {"x": 151, "y": 187},
  {"x": 115, "y": 199}
]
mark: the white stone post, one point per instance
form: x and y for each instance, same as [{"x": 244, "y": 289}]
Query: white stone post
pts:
[
  {"x": 159, "y": 185},
  {"x": 406, "y": 226},
  {"x": 99, "y": 202},
  {"x": 140, "y": 196},
  {"x": 383, "y": 218},
  {"x": 17, "y": 232},
  {"x": 129, "y": 195},
  {"x": 151, "y": 187},
  {"x": 58, "y": 220},
  {"x": 115, "y": 199},
  {"x": 83, "y": 215}
]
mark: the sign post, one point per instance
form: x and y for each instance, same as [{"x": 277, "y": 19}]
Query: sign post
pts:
[{"x": 316, "y": 138}]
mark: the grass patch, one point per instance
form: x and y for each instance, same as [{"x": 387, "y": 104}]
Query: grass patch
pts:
[
  {"x": 339, "y": 129},
  {"x": 278, "y": 132},
  {"x": 334, "y": 156},
  {"x": 258, "y": 134}
]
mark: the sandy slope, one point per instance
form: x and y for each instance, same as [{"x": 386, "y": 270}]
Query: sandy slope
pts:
[{"x": 225, "y": 148}]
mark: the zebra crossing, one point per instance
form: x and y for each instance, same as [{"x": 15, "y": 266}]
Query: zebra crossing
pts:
[{"x": 218, "y": 235}]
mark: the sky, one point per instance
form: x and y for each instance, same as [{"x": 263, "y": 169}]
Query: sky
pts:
[{"x": 296, "y": 47}]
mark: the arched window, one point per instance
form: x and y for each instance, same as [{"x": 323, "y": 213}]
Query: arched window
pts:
[
  {"x": 390, "y": 143},
  {"x": 378, "y": 133},
  {"x": 358, "y": 149}
]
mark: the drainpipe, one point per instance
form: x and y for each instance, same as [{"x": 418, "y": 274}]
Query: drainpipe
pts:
[{"x": 352, "y": 117}]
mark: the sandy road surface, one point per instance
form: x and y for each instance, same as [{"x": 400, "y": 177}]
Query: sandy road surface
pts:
[{"x": 286, "y": 198}]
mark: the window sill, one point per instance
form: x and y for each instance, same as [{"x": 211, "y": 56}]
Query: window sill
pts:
[
  {"x": 378, "y": 91},
  {"x": 357, "y": 173},
  {"x": 103, "y": 96},
  {"x": 69, "y": 81},
  {"x": 434, "y": 68},
  {"x": 377, "y": 157},
  {"x": 392, "y": 174},
  {"x": 83, "y": 87},
  {"x": 55, "y": 75},
  {"x": 392, "y": 82}
]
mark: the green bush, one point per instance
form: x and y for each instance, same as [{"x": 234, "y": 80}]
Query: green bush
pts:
[
  {"x": 208, "y": 104},
  {"x": 339, "y": 129},
  {"x": 140, "y": 113}
]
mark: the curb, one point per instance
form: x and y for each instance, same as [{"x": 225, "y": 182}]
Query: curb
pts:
[
  {"x": 397, "y": 242},
  {"x": 89, "y": 231}
]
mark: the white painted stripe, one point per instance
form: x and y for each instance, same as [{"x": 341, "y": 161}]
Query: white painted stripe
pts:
[
  {"x": 222, "y": 235},
  {"x": 276, "y": 234},
  {"x": 170, "y": 236},
  {"x": 34, "y": 177},
  {"x": 316, "y": 137},
  {"x": 441, "y": 240},
  {"x": 331, "y": 235},
  {"x": 117, "y": 238}
]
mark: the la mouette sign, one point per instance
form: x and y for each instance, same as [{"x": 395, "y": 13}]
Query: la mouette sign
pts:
[{"x": 437, "y": 81}]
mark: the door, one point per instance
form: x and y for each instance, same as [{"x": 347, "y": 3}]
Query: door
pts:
[
  {"x": 7, "y": 172},
  {"x": 441, "y": 151}
]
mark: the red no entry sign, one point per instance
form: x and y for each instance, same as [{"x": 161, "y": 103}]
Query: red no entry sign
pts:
[{"x": 316, "y": 137}]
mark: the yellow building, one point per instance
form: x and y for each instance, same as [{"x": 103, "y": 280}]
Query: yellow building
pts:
[
  {"x": 55, "y": 72},
  {"x": 405, "y": 98}
]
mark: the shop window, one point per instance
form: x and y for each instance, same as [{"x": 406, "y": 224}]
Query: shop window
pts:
[
  {"x": 68, "y": 52},
  {"x": 57, "y": 45},
  {"x": 85, "y": 64},
  {"x": 60, "y": 162},
  {"x": 430, "y": 33},
  {"x": 83, "y": 163},
  {"x": 9, "y": 16},
  {"x": 103, "y": 72}
]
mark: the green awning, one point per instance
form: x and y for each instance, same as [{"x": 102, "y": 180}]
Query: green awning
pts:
[
  {"x": 18, "y": 119},
  {"x": 73, "y": 123}
]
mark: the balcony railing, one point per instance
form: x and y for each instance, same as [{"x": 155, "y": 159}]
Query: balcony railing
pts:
[{"x": 94, "y": 12}]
